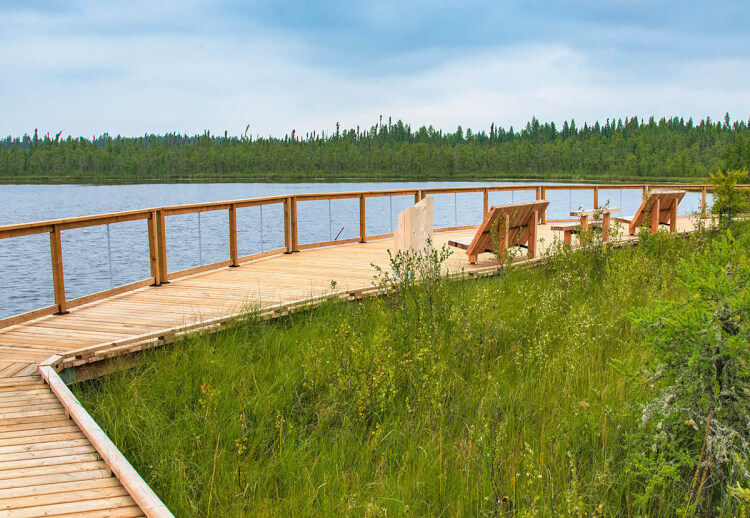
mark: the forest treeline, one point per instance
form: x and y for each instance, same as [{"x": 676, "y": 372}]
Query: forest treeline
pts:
[{"x": 629, "y": 149}]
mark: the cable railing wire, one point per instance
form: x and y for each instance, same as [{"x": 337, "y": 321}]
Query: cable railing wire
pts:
[
  {"x": 200, "y": 241},
  {"x": 109, "y": 252},
  {"x": 261, "y": 229}
]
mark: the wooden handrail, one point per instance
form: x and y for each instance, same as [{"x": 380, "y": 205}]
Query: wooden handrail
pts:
[{"x": 156, "y": 227}]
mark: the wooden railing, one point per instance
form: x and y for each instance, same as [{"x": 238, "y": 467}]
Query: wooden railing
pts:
[{"x": 156, "y": 231}]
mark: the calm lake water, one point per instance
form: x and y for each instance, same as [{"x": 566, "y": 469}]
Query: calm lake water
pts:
[{"x": 101, "y": 257}]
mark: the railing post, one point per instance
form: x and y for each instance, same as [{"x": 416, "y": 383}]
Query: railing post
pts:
[
  {"x": 233, "y": 236},
  {"x": 704, "y": 209},
  {"x": 161, "y": 238},
  {"x": 416, "y": 196},
  {"x": 288, "y": 225},
  {"x": 153, "y": 248},
  {"x": 293, "y": 222},
  {"x": 486, "y": 203},
  {"x": 645, "y": 192},
  {"x": 58, "y": 279},
  {"x": 362, "y": 229},
  {"x": 543, "y": 218},
  {"x": 596, "y": 198}
]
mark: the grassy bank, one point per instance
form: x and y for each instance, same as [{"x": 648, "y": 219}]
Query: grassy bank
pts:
[{"x": 517, "y": 395}]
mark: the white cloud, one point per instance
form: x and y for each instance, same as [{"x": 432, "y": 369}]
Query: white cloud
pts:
[{"x": 89, "y": 83}]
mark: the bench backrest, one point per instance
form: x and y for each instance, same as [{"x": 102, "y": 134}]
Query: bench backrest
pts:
[
  {"x": 520, "y": 216},
  {"x": 666, "y": 198}
]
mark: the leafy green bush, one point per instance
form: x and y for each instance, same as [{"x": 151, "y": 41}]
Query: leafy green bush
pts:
[
  {"x": 729, "y": 201},
  {"x": 696, "y": 432}
]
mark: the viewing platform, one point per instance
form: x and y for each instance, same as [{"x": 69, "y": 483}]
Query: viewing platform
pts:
[{"x": 54, "y": 460}]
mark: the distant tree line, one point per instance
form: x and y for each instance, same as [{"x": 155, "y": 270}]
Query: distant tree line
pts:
[{"x": 623, "y": 149}]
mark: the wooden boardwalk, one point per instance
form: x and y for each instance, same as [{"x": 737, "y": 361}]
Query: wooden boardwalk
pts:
[{"x": 48, "y": 467}]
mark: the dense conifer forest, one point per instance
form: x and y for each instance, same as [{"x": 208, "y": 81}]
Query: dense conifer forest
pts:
[{"x": 629, "y": 149}]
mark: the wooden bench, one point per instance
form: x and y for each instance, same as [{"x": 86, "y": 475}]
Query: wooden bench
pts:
[
  {"x": 513, "y": 224},
  {"x": 662, "y": 206}
]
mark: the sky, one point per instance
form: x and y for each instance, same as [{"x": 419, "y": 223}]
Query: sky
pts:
[{"x": 146, "y": 66}]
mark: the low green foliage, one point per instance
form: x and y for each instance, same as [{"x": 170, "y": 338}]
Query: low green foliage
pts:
[
  {"x": 729, "y": 201},
  {"x": 518, "y": 395},
  {"x": 698, "y": 423}
]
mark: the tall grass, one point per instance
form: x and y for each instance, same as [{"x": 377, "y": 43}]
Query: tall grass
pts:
[{"x": 513, "y": 395}]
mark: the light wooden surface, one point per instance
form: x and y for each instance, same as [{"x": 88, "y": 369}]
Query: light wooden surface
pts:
[
  {"x": 415, "y": 226},
  {"x": 47, "y": 465},
  {"x": 267, "y": 282}
]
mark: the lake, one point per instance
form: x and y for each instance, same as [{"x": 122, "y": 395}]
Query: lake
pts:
[{"x": 101, "y": 257}]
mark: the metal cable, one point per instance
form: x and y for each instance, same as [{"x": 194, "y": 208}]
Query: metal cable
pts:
[
  {"x": 109, "y": 251},
  {"x": 390, "y": 200},
  {"x": 455, "y": 209},
  {"x": 200, "y": 241},
  {"x": 620, "y": 207},
  {"x": 330, "y": 228},
  {"x": 570, "y": 206},
  {"x": 261, "y": 229}
]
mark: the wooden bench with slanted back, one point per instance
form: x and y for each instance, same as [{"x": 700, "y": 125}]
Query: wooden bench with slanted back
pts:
[
  {"x": 514, "y": 224},
  {"x": 662, "y": 206}
]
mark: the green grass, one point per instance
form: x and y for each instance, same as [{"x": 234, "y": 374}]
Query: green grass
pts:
[{"x": 507, "y": 396}]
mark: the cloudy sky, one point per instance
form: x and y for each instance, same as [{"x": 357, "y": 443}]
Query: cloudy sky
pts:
[{"x": 140, "y": 66}]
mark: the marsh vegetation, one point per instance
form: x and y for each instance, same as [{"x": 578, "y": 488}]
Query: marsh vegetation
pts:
[{"x": 574, "y": 389}]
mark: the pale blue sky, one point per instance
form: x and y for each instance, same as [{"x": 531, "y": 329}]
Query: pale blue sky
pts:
[{"x": 148, "y": 66}]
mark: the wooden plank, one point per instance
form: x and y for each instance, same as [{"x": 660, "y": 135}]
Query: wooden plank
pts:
[
  {"x": 12, "y": 369},
  {"x": 120, "y": 512},
  {"x": 53, "y": 474},
  {"x": 60, "y": 487},
  {"x": 42, "y": 417},
  {"x": 23, "y": 503},
  {"x": 126, "y": 288},
  {"x": 103, "y": 504},
  {"x": 20, "y": 433},
  {"x": 42, "y": 227},
  {"x": 38, "y": 439},
  {"x": 17, "y": 406},
  {"x": 42, "y": 446},
  {"x": 31, "y": 368},
  {"x": 43, "y": 456},
  {"x": 25, "y": 317},
  {"x": 11, "y": 466}
]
